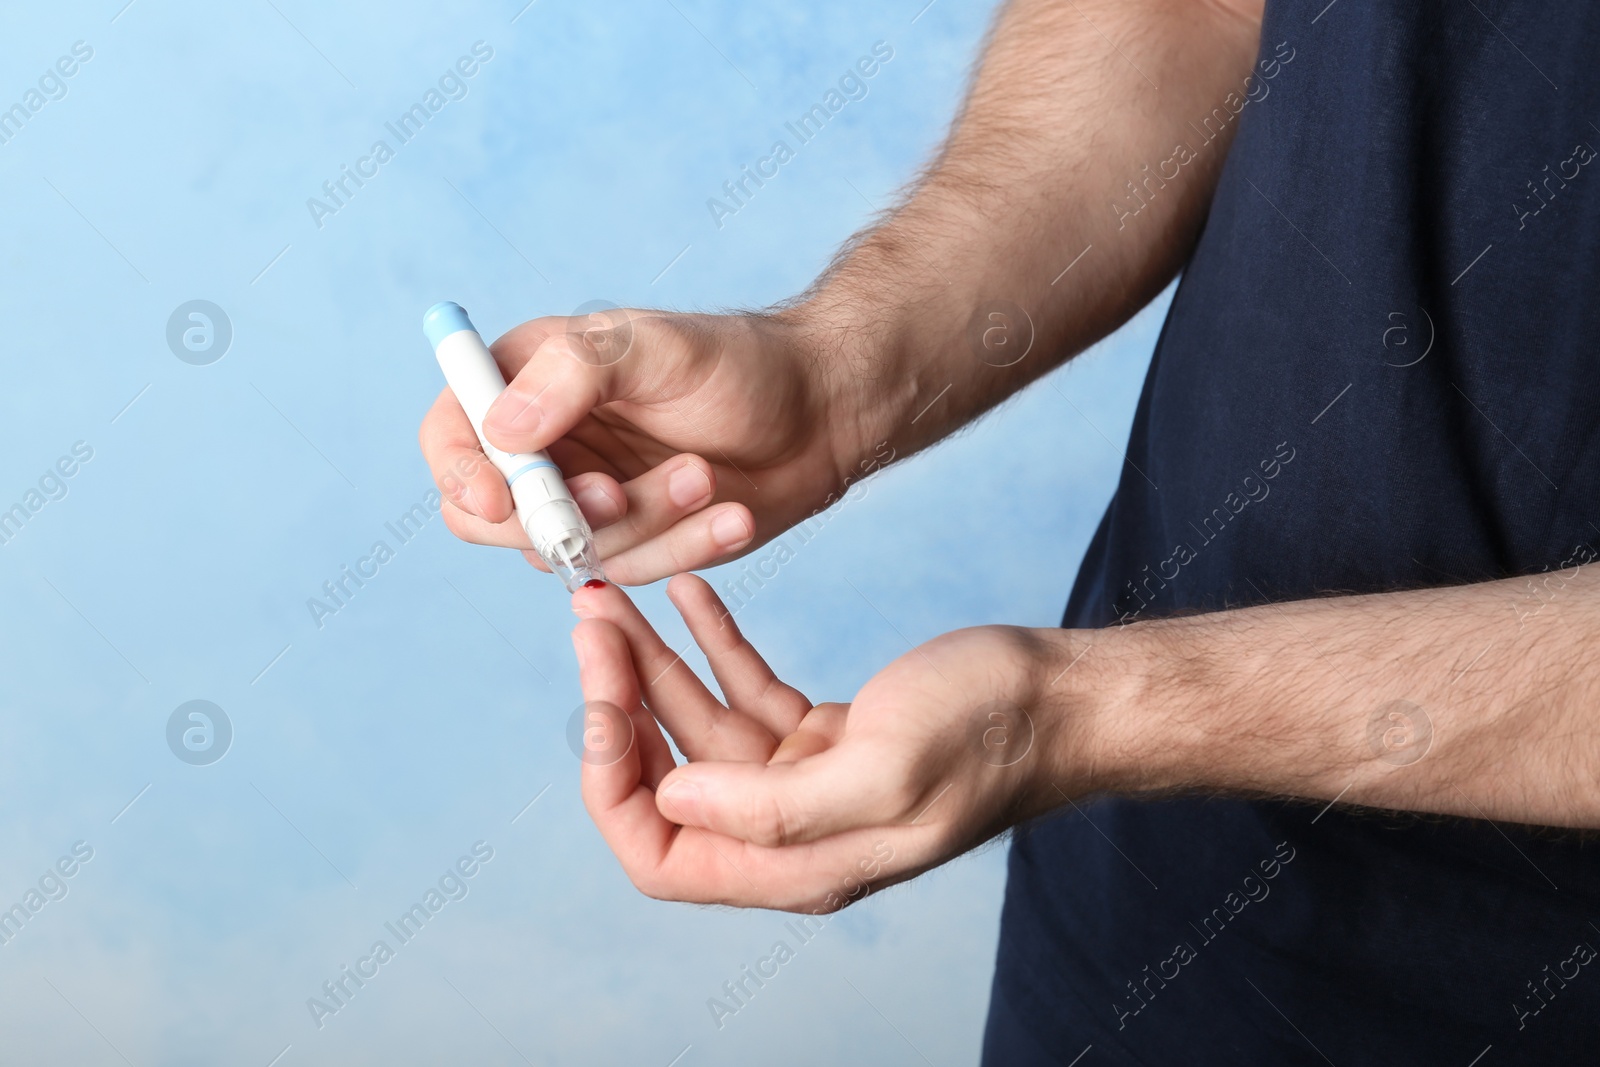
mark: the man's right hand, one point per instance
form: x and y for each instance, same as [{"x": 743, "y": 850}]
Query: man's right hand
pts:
[
  {"x": 686, "y": 439},
  {"x": 690, "y": 439}
]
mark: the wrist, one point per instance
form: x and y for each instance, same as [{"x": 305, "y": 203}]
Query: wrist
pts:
[
  {"x": 850, "y": 352},
  {"x": 890, "y": 335},
  {"x": 1118, "y": 717}
]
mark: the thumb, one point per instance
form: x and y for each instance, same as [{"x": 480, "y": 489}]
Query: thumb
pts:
[
  {"x": 781, "y": 804},
  {"x": 576, "y": 363}
]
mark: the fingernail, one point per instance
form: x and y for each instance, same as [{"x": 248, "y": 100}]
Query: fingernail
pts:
[
  {"x": 468, "y": 501},
  {"x": 683, "y": 802},
  {"x": 515, "y": 412},
  {"x": 577, "y": 650},
  {"x": 596, "y": 504},
  {"x": 729, "y": 530},
  {"x": 687, "y": 485}
]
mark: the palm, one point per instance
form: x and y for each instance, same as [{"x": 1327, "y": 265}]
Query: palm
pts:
[{"x": 909, "y": 758}]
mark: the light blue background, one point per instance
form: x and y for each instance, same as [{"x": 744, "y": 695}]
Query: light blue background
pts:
[{"x": 426, "y": 714}]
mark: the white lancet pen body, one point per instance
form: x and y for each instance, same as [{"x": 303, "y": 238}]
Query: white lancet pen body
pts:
[{"x": 545, "y": 508}]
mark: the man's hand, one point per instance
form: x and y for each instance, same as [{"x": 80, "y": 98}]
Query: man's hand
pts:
[
  {"x": 785, "y": 804},
  {"x": 686, "y": 439},
  {"x": 1042, "y": 226},
  {"x": 1473, "y": 701}
]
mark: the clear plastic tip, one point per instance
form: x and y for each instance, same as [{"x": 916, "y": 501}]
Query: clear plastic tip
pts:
[{"x": 573, "y": 560}]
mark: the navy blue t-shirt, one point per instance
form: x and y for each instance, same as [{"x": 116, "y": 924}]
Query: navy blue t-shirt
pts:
[{"x": 1380, "y": 371}]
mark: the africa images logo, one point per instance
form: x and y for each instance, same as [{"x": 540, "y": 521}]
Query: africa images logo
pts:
[{"x": 199, "y": 733}]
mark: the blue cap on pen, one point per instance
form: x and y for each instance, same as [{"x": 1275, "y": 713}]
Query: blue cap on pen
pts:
[{"x": 443, "y": 319}]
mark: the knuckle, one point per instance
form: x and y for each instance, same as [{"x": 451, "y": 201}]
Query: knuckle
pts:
[
  {"x": 696, "y": 461},
  {"x": 627, "y": 530},
  {"x": 556, "y": 354},
  {"x": 770, "y": 825},
  {"x": 680, "y": 559},
  {"x": 468, "y": 462},
  {"x": 902, "y": 791}
]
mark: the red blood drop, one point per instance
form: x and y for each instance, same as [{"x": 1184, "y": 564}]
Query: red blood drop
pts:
[{"x": 594, "y": 583}]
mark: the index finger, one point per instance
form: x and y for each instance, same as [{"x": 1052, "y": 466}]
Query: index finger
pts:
[
  {"x": 458, "y": 464},
  {"x": 674, "y": 694},
  {"x": 688, "y": 863},
  {"x": 617, "y": 788}
]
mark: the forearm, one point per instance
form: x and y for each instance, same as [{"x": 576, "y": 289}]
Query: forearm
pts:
[
  {"x": 1476, "y": 701},
  {"x": 1054, "y": 162}
]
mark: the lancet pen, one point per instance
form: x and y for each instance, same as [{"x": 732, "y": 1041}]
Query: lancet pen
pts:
[{"x": 545, "y": 508}]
